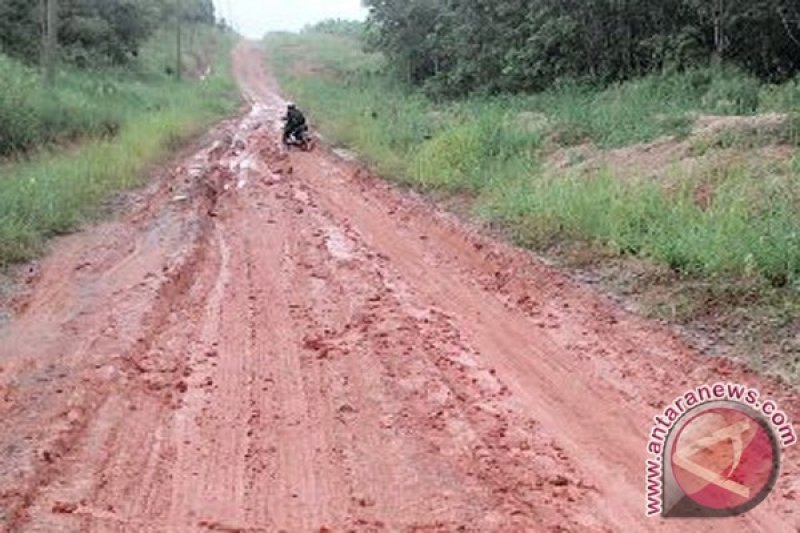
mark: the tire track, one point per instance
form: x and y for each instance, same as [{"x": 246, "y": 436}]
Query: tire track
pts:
[{"x": 278, "y": 342}]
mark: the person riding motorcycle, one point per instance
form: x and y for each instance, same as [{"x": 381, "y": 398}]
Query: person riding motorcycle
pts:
[{"x": 295, "y": 123}]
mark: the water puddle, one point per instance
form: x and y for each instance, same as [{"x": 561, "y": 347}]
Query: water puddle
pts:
[{"x": 338, "y": 244}]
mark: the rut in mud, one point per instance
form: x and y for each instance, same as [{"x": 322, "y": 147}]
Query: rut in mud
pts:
[{"x": 281, "y": 342}]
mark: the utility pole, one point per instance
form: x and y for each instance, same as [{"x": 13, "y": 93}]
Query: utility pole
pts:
[
  {"x": 42, "y": 34},
  {"x": 719, "y": 28},
  {"x": 50, "y": 39},
  {"x": 178, "y": 38}
]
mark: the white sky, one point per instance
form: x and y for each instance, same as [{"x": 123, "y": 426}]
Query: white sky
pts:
[{"x": 254, "y": 18}]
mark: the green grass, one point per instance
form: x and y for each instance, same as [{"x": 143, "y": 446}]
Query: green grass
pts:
[
  {"x": 751, "y": 229},
  {"x": 494, "y": 148},
  {"x": 52, "y": 191},
  {"x": 83, "y": 104}
]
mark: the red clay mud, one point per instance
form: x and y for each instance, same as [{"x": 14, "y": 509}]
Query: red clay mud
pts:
[{"x": 281, "y": 342}]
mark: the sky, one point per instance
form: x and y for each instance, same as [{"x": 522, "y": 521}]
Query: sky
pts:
[{"x": 254, "y": 18}]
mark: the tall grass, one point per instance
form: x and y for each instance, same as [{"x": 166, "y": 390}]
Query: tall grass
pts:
[
  {"x": 494, "y": 148},
  {"x": 83, "y": 104},
  {"x": 748, "y": 231},
  {"x": 52, "y": 192}
]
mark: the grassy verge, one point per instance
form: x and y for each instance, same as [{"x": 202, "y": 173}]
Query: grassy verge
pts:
[
  {"x": 126, "y": 121},
  {"x": 495, "y": 147},
  {"x": 733, "y": 229}
]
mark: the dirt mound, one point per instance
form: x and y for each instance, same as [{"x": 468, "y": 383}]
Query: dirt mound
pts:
[
  {"x": 767, "y": 124},
  {"x": 717, "y": 142}
]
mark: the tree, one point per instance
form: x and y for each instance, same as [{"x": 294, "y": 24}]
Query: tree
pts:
[
  {"x": 21, "y": 25},
  {"x": 462, "y": 46},
  {"x": 405, "y": 34},
  {"x": 50, "y": 45},
  {"x": 91, "y": 32}
]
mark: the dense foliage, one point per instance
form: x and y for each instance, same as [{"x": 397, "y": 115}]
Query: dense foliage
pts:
[
  {"x": 460, "y": 46},
  {"x": 93, "y": 32}
]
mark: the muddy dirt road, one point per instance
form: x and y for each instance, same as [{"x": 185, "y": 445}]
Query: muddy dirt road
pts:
[{"x": 273, "y": 342}]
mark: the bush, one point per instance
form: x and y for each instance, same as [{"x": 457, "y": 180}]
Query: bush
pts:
[
  {"x": 781, "y": 97},
  {"x": 731, "y": 93},
  {"x": 451, "y": 159}
]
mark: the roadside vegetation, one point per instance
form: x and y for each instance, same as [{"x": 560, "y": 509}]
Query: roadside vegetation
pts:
[
  {"x": 692, "y": 173},
  {"x": 101, "y": 123}
]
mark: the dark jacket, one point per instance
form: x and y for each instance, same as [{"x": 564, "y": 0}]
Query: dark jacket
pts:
[{"x": 294, "y": 120}]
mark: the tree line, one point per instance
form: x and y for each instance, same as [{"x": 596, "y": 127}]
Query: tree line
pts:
[
  {"x": 350, "y": 28},
  {"x": 463, "y": 46},
  {"x": 92, "y": 32}
]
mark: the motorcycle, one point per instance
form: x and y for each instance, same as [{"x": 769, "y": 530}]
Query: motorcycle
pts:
[{"x": 301, "y": 138}]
